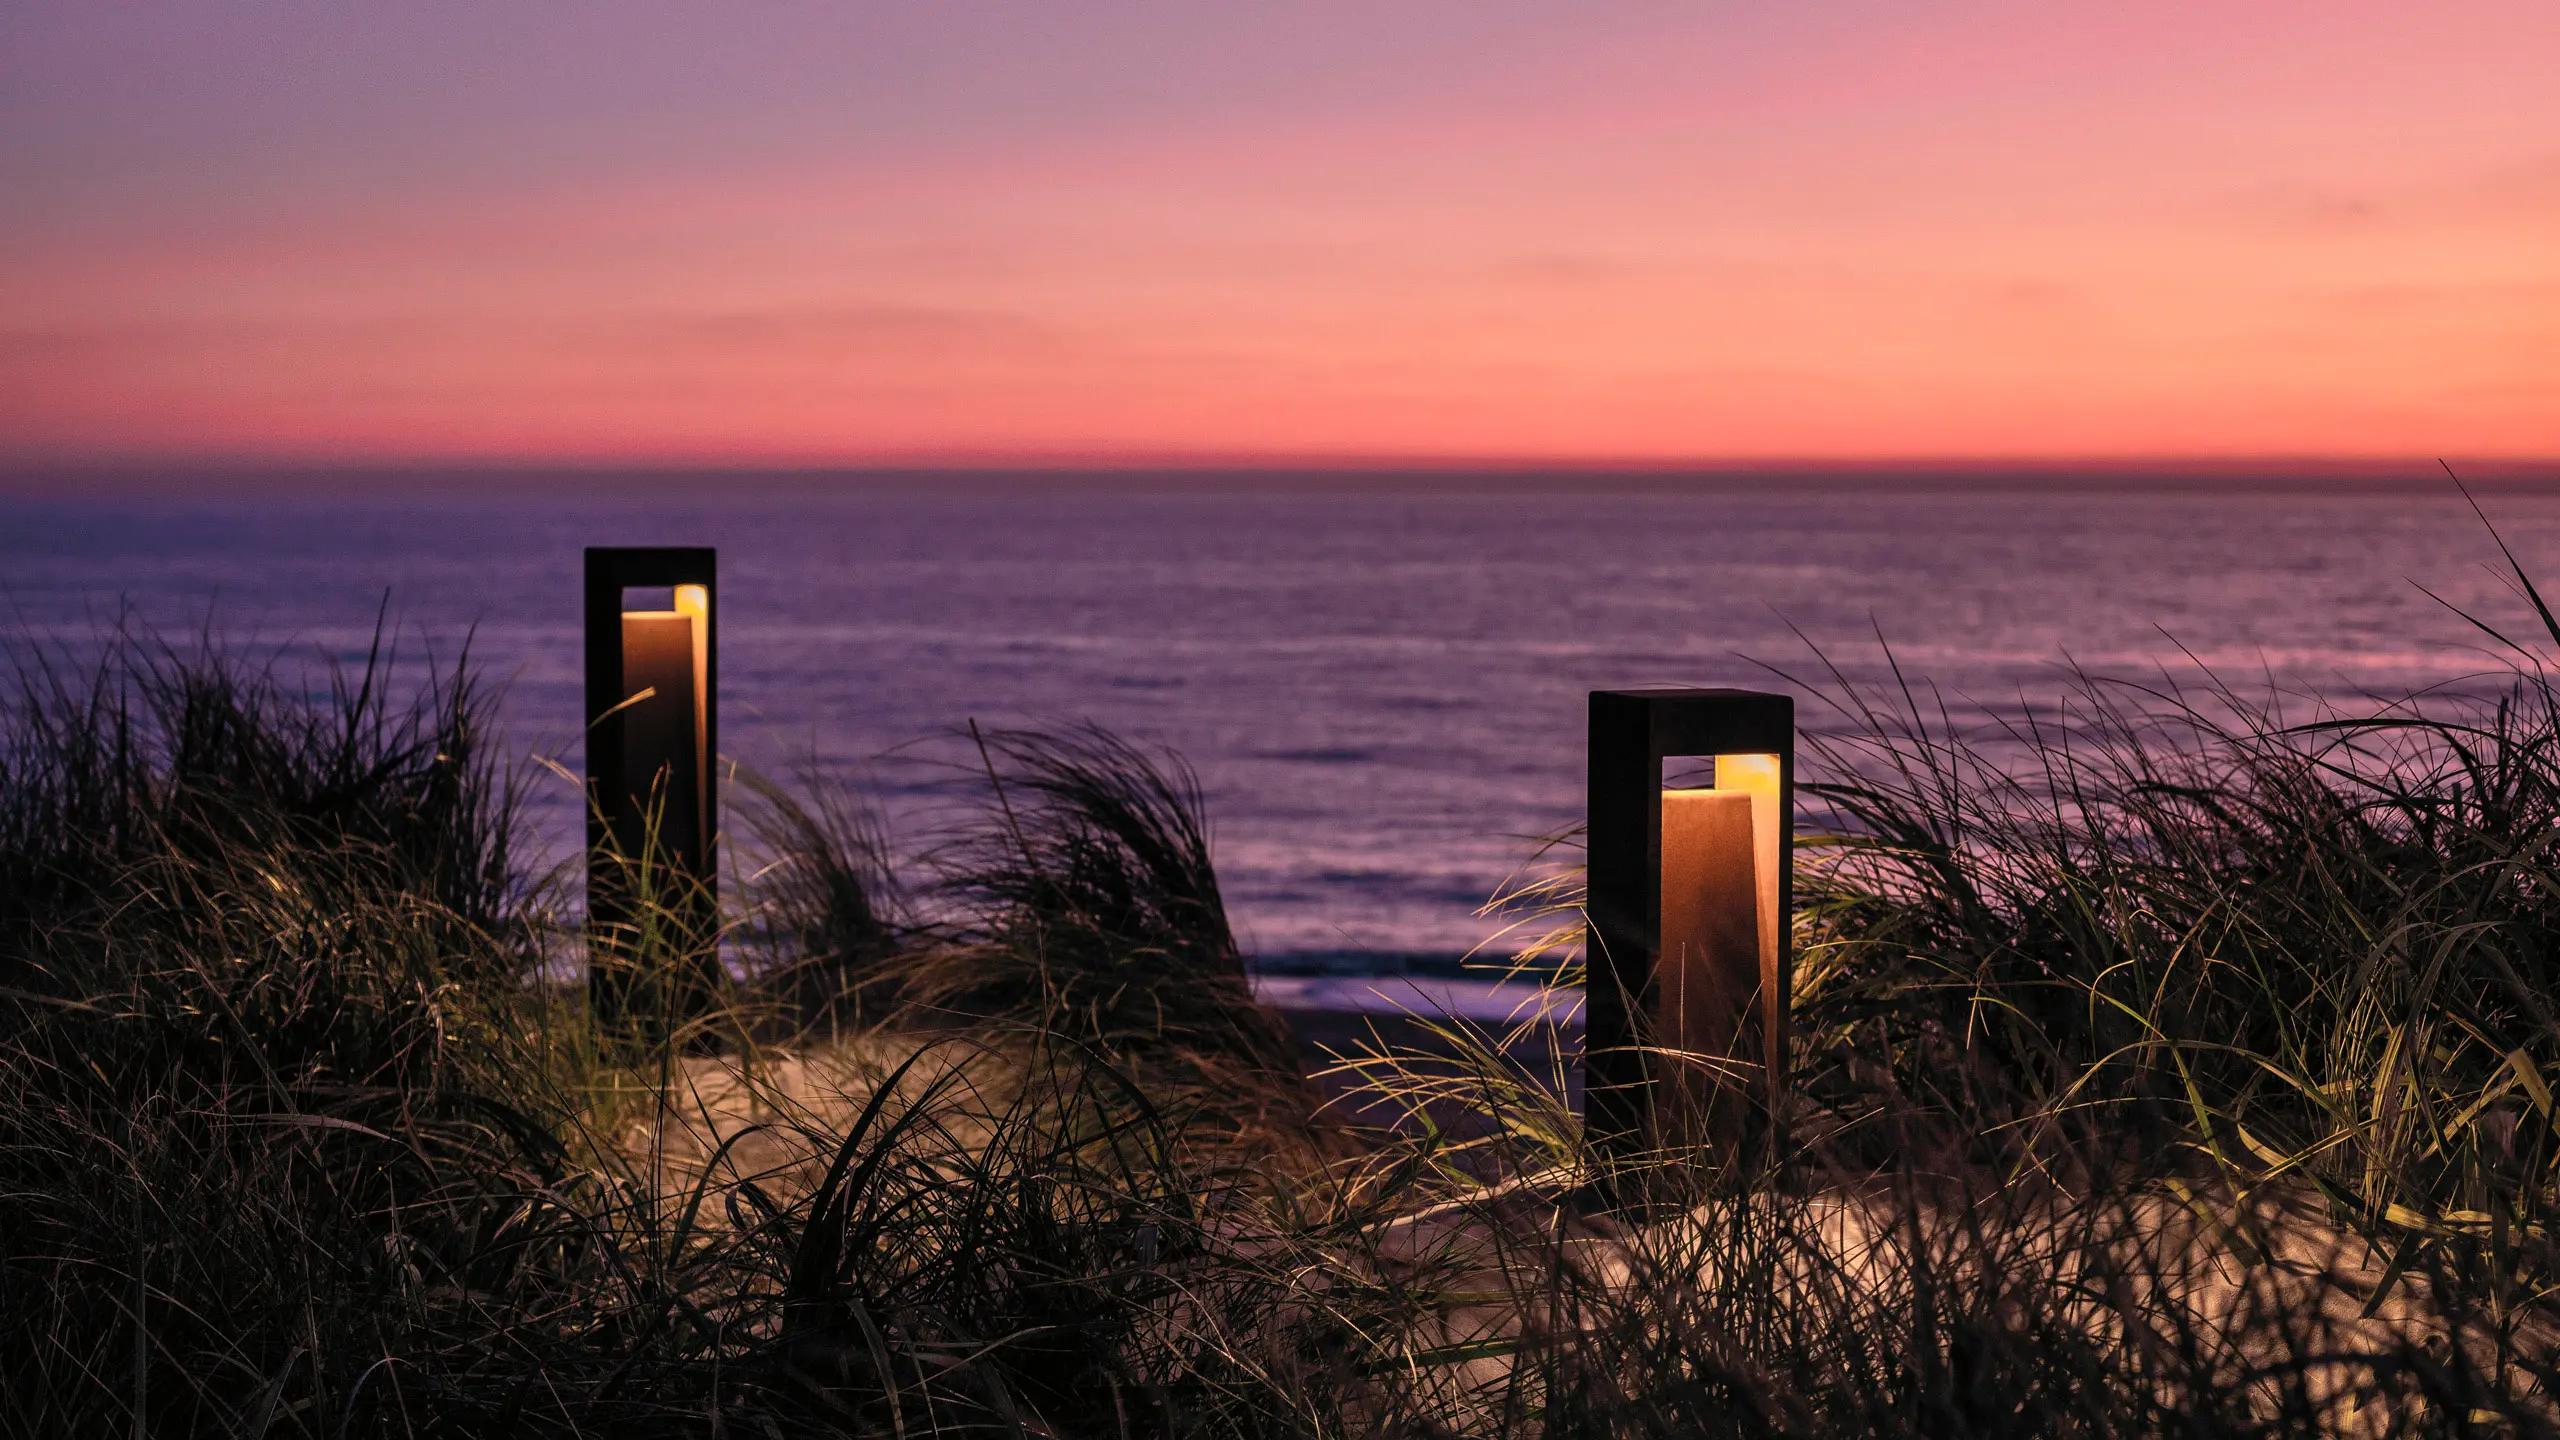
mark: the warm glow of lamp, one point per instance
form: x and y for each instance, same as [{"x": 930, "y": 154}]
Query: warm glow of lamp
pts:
[
  {"x": 661, "y": 716},
  {"x": 1763, "y": 778},
  {"x": 1707, "y": 976},
  {"x": 694, "y": 603}
]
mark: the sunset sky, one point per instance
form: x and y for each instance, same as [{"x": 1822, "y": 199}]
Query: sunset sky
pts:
[{"x": 1640, "y": 232}]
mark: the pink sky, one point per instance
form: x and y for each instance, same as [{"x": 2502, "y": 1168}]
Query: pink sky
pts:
[{"x": 1641, "y": 232}]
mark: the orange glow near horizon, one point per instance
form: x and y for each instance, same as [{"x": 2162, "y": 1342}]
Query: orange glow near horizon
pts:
[{"x": 2003, "y": 231}]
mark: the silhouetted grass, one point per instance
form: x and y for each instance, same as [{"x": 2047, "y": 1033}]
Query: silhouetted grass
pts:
[
  {"x": 828, "y": 920},
  {"x": 264, "y": 956},
  {"x": 1087, "y": 908},
  {"x": 149, "y": 756},
  {"x": 2190, "y": 1080},
  {"x": 2313, "y": 958}
]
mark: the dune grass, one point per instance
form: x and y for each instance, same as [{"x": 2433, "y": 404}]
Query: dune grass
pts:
[
  {"x": 2193, "y": 1078},
  {"x": 2316, "y": 957}
]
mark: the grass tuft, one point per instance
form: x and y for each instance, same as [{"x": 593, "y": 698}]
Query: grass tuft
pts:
[
  {"x": 2167, "y": 1066},
  {"x": 1089, "y": 909}
]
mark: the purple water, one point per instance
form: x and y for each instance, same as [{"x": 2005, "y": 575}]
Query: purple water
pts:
[{"x": 1380, "y": 683}]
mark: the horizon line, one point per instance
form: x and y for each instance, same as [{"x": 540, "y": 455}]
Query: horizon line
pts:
[
  {"x": 245, "y": 476},
  {"x": 1246, "y": 463}
]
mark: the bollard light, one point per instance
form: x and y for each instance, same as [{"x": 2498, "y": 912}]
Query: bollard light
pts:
[
  {"x": 653, "y": 670},
  {"x": 1689, "y": 894}
]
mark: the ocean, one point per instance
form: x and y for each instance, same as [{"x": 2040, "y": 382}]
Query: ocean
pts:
[{"x": 1379, "y": 680}]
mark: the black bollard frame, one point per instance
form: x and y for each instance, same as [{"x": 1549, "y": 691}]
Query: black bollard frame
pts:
[
  {"x": 1641, "y": 1104},
  {"x": 627, "y": 812}
]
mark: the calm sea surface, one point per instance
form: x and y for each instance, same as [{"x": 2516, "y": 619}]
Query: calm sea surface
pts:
[{"x": 1381, "y": 687}]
